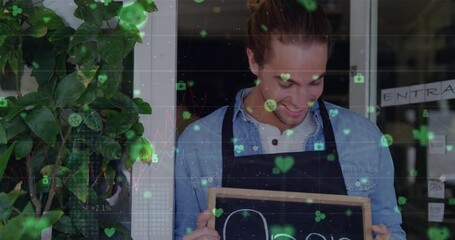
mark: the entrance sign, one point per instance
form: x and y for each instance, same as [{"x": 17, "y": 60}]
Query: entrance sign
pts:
[
  {"x": 418, "y": 93},
  {"x": 269, "y": 215}
]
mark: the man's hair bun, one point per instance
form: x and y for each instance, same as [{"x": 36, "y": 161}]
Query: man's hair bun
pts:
[{"x": 254, "y": 4}]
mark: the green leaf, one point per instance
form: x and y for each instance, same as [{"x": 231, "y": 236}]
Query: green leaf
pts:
[
  {"x": 109, "y": 113},
  {"x": 133, "y": 14},
  {"x": 48, "y": 219},
  {"x": 6, "y": 206},
  {"x": 78, "y": 182},
  {"x": 63, "y": 33},
  {"x": 23, "y": 147},
  {"x": 14, "y": 229},
  {"x": 138, "y": 128},
  {"x": 3, "y": 139},
  {"x": 35, "y": 31},
  {"x": 30, "y": 99},
  {"x": 4, "y": 157},
  {"x": 60, "y": 39},
  {"x": 15, "y": 193},
  {"x": 101, "y": 103},
  {"x": 148, "y": 5},
  {"x": 76, "y": 158},
  {"x": 5, "y": 32},
  {"x": 60, "y": 65},
  {"x": 43, "y": 65},
  {"x": 139, "y": 150},
  {"x": 111, "y": 10},
  {"x": 28, "y": 209},
  {"x": 86, "y": 32},
  {"x": 125, "y": 103},
  {"x": 113, "y": 77},
  {"x": 25, "y": 5},
  {"x": 84, "y": 53},
  {"x": 73, "y": 85},
  {"x": 109, "y": 176},
  {"x": 3, "y": 60},
  {"x": 46, "y": 17},
  {"x": 110, "y": 48},
  {"x": 14, "y": 62},
  {"x": 40, "y": 158},
  {"x": 61, "y": 171},
  {"x": 131, "y": 36},
  {"x": 96, "y": 12},
  {"x": 65, "y": 225},
  {"x": 42, "y": 122},
  {"x": 14, "y": 127},
  {"x": 84, "y": 217},
  {"x": 120, "y": 124},
  {"x": 83, "y": 13},
  {"x": 89, "y": 95},
  {"x": 144, "y": 107},
  {"x": 109, "y": 148},
  {"x": 93, "y": 121}
]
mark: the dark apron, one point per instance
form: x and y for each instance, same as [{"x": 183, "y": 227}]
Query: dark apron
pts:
[{"x": 309, "y": 172}]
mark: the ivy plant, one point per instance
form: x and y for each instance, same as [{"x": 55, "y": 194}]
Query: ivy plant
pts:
[{"x": 73, "y": 132}]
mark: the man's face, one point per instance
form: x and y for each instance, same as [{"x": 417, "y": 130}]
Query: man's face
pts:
[{"x": 293, "y": 78}]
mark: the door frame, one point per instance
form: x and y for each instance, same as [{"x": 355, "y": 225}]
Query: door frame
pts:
[{"x": 363, "y": 57}]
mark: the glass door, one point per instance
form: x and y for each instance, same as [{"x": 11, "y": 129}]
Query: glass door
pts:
[{"x": 415, "y": 96}]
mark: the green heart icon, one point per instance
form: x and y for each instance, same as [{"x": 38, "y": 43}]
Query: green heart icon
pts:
[
  {"x": 75, "y": 119},
  {"x": 346, "y": 131},
  {"x": 286, "y": 229},
  {"x": 284, "y": 163},
  {"x": 109, "y": 231},
  {"x": 102, "y": 78},
  {"x": 217, "y": 212},
  {"x": 46, "y": 19},
  {"x": 239, "y": 148},
  {"x": 436, "y": 233},
  {"x": 285, "y": 76},
  {"x": 333, "y": 112},
  {"x": 270, "y": 105}
]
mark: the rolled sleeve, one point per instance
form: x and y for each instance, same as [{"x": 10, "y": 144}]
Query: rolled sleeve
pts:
[
  {"x": 186, "y": 205},
  {"x": 383, "y": 199}
]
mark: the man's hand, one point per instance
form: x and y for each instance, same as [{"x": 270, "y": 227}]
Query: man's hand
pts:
[
  {"x": 203, "y": 232},
  {"x": 381, "y": 232}
]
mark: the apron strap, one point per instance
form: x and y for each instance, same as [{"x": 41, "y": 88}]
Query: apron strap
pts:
[
  {"x": 330, "y": 144},
  {"x": 227, "y": 134}
]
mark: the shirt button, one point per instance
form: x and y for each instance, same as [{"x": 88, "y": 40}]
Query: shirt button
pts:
[
  {"x": 275, "y": 142},
  {"x": 210, "y": 179},
  {"x": 255, "y": 148},
  {"x": 357, "y": 184}
]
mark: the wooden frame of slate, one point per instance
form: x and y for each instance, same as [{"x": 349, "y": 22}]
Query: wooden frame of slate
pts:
[{"x": 252, "y": 197}]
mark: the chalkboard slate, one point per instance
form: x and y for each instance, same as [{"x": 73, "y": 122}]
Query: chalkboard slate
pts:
[{"x": 263, "y": 215}]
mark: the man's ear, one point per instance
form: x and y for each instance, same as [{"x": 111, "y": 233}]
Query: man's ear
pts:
[{"x": 254, "y": 67}]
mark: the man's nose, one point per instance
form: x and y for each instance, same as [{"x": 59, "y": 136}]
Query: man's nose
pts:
[{"x": 299, "y": 97}]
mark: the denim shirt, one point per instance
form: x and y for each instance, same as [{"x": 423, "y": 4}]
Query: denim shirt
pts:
[{"x": 365, "y": 162}]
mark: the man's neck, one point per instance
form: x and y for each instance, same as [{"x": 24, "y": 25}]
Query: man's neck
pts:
[{"x": 254, "y": 105}]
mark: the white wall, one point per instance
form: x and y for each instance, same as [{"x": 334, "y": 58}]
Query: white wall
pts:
[{"x": 154, "y": 75}]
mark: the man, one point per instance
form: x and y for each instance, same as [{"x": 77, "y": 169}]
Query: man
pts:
[{"x": 288, "y": 47}]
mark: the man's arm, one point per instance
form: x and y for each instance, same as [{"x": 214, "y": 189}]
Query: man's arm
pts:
[
  {"x": 383, "y": 199},
  {"x": 186, "y": 205}
]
